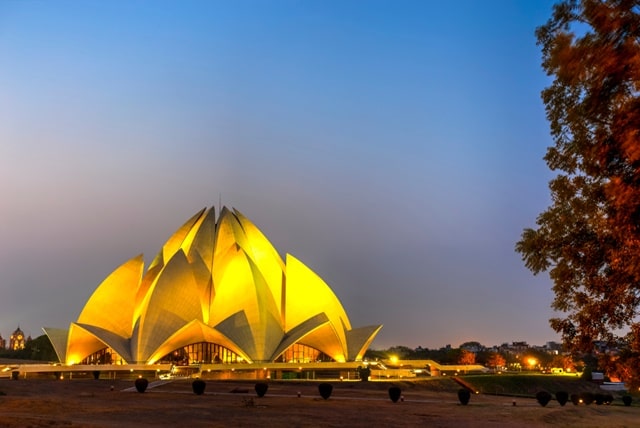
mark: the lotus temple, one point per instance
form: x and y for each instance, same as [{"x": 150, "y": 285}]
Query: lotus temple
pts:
[{"x": 217, "y": 295}]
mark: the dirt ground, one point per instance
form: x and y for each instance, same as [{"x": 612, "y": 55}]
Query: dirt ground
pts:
[{"x": 114, "y": 403}]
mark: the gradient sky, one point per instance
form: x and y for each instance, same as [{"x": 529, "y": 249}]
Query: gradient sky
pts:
[{"x": 395, "y": 147}]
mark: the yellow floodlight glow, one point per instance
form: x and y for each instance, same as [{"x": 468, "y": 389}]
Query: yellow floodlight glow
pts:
[{"x": 394, "y": 359}]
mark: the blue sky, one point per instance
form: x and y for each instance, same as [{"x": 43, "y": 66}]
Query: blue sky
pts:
[{"x": 395, "y": 147}]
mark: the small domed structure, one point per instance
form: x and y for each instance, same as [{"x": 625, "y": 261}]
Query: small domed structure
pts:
[{"x": 17, "y": 340}]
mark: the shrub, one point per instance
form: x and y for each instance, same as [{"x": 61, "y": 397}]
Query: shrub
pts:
[
  {"x": 96, "y": 374},
  {"x": 464, "y": 396},
  {"x": 325, "y": 390},
  {"x": 543, "y": 398},
  {"x": 141, "y": 384},
  {"x": 364, "y": 373},
  {"x": 261, "y": 388},
  {"x": 575, "y": 399},
  {"x": 198, "y": 386},
  {"x": 587, "y": 397},
  {"x": 562, "y": 397},
  {"x": 395, "y": 393},
  {"x": 626, "y": 399}
]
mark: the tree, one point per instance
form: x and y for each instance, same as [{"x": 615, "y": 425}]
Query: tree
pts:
[
  {"x": 373, "y": 354},
  {"x": 626, "y": 365},
  {"x": 402, "y": 352},
  {"x": 564, "y": 362},
  {"x": 450, "y": 355},
  {"x": 466, "y": 357},
  {"x": 588, "y": 240},
  {"x": 40, "y": 348},
  {"x": 496, "y": 361},
  {"x": 543, "y": 358}
]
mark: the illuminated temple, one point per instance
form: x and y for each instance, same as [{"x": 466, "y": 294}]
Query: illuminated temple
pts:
[{"x": 217, "y": 292}]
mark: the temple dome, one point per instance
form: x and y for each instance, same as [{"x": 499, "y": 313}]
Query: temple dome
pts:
[{"x": 219, "y": 283}]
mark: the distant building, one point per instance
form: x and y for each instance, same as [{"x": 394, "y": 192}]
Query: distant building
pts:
[
  {"x": 17, "y": 340},
  {"x": 513, "y": 348},
  {"x": 553, "y": 348},
  {"x": 474, "y": 347},
  {"x": 519, "y": 346}
]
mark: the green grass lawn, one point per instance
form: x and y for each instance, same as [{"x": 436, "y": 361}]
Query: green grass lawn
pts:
[
  {"x": 529, "y": 384},
  {"x": 517, "y": 385}
]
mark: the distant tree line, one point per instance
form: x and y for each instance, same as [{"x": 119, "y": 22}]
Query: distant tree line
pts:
[
  {"x": 475, "y": 353},
  {"x": 445, "y": 355}
]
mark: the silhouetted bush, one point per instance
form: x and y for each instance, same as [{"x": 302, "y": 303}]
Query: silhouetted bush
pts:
[
  {"x": 587, "y": 397},
  {"x": 464, "y": 396},
  {"x": 96, "y": 374},
  {"x": 141, "y": 384},
  {"x": 325, "y": 390},
  {"x": 198, "y": 386},
  {"x": 626, "y": 399},
  {"x": 15, "y": 375},
  {"x": 261, "y": 388},
  {"x": 562, "y": 397},
  {"x": 395, "y": 393},
  {"x": 364, "y": 373},
  {"x": 543, "y": 398},
  {"x": 575, "y": 399}
]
